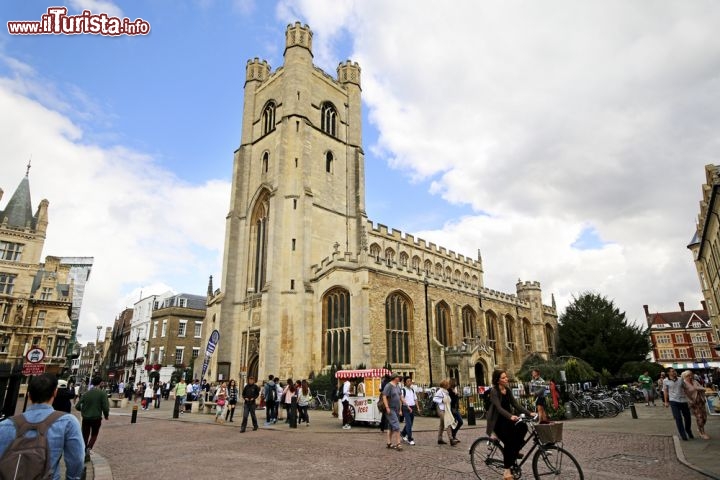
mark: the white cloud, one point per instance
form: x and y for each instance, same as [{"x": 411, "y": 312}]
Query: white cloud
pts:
[
  {"x": 549, "y": 117},
  {"x": 97, "y": 7},
  {"x": 142, "y": 224}
]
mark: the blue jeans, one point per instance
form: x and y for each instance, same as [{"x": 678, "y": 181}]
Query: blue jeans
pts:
[
  {"x": 408, "y": 416},
  {"x": 680, "y": 412},
  {"x": 458, "y": 418}
]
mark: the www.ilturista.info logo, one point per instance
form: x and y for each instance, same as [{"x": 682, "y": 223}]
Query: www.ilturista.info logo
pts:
[{"x": 57, "y": 22}]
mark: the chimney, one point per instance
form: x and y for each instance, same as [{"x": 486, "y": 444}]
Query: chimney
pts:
[
  {"x": 647, "y": 312},
  {"x": 704, "y": 305},
  {"x": 682, "y": 306}
]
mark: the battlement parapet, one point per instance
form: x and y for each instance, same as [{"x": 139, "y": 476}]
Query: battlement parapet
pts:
[
  {"x": 348, "y": 72},
  {"x": 298, "y": 35},
  {"x": 380, "y": 230},
  {"x": 257, "y": 70}
]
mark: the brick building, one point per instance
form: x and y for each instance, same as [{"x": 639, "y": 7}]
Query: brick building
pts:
[{"x": 683, "y": 339}]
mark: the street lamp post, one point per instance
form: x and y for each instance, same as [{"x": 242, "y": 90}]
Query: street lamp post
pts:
[{"x": 95, "y": 352}]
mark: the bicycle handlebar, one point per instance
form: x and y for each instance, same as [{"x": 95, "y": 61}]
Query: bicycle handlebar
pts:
[{"x": 526, "y": 419}]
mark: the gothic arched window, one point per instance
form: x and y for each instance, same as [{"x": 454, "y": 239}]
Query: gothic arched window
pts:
[
  {"x": 468, "y": 322},
  {"x": 336, "y": 327},
  {"x": 258, "y": 241},
  {"x": 328, "y": 119},
  {"x": 442, "y": 324},
  {"x": 398, "y": 325},
  {"x": 268, "y": 118}
]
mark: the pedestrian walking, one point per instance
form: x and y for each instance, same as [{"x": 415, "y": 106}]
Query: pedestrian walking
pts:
[
  {"x": 303, "y": 400},
  {"x": 537, "y": 389},
  {"x": 646, "y": 385},
  {"x": 180, "y": 394},
  {"x": 447, "y": 421},
  {"x": 220, "y": 400},
  {"x": 270, "y": 395},
  {"x": 93, "y": 406},
  {"x": 345, "y": 400},
  {"x": 675, "y": 398},
  {"x": 455, "y": 409},
  {"x": 409, "y": 405},
  {"x": 697, "y": 401},
  {"x": 232, "y": 399},
  {"x": 250, "y": 394},
  {"x": 393, "y": 407},
  {"x": 64, "y": 438},
  {"x": 148, "y": 395}
]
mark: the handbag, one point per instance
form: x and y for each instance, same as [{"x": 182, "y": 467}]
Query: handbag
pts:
[{"x": 220, "y": 402}]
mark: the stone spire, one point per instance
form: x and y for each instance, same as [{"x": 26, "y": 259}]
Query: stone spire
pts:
[{"x": 18, "y": 212}]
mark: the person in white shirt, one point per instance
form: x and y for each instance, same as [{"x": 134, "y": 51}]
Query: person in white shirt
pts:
[
  {"x": 347, "y": 419},
  {"x": 408, "y": 410}
]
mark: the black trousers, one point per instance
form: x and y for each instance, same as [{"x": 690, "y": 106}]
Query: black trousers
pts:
[{"x": 513, "y": 438}]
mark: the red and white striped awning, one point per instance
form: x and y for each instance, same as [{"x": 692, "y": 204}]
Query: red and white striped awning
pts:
[{"x": 366, "y": 373}]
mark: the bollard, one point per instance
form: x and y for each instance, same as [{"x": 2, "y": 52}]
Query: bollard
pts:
[
  {"x": 292, "y": 412},
  {"x": 176, "y": 408},
  {"x": 133, "y": 418},
  {"x": 471, "y": 414},
  {"x": 633, "y": 412}
]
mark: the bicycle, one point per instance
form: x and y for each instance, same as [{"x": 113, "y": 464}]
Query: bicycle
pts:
[
  {"x": 321, "y": 402},
  {"x": 486, "y": 455}
]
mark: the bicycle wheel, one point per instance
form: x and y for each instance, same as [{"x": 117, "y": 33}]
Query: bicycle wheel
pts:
[
  {"x": 554, "y": 461},
  {"x": 486, "y": 457},
  {"x": 313, "y": 404}
]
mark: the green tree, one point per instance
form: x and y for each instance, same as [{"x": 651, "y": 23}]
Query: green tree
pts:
[{"x": 593, "y": 329}]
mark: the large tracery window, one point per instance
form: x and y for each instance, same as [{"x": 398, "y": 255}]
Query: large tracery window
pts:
[
  {"x": 398, "y": 319},
  {"x": 268, "y": 118},
  {"x": 527, "y": 339},
  {"x": 491, "y": 326},
  {"x": 328, "y": 120},
  {"x": 442, "y": 323},
  {"x": 510, "y": 332},
  {"x": 258, "y": 242},
  {"x": 468, "y": 321},
  {"x": 336, "y": 327},
  {"x": 550, "y": 339}
]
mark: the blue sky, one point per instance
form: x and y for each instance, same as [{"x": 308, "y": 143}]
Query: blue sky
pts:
[{"x": 565, "y": 141}]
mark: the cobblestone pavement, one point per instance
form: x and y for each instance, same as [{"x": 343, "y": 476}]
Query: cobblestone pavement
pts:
[{"x": 158, "y": 446}]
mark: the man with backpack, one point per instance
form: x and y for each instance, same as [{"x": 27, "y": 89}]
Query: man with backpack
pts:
[
  {"x": 270, "y": 394},
  {"x": 40, "y": 454}
]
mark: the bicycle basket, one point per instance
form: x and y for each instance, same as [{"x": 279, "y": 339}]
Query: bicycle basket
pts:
[{"x": 549, "y": 432}]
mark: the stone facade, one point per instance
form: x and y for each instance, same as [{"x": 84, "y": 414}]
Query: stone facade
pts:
[
  {"x": 36, "y": 298},
  {"x": 705, "y": 245},
  {"x": 309, "y": 281}
]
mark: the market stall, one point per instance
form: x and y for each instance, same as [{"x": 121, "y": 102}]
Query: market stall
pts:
[{"x": 364, "y": 393}]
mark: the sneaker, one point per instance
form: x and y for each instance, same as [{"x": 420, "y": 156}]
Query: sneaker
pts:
[
  {"x": 346, "y": 427},
  {"x": 454, "y": 442},
  {"x": 405, "y": 439},
  {"x": 411, "y": 442}
]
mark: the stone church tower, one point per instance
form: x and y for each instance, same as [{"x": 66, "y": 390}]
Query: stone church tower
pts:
[{"x": 309, "y": 282}]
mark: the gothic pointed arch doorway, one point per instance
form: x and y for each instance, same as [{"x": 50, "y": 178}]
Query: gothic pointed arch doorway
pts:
[
  {"x": 480, "y": 374},
  {"x": 253, "y": 366}
]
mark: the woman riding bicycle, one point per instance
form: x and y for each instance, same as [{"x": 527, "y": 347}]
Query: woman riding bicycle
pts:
[{"x": 502, "y": 420}]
